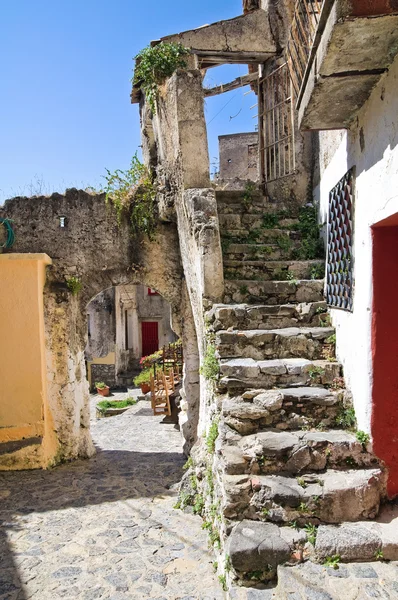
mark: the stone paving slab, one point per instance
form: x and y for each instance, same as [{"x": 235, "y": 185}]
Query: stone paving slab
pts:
[{"x": 106, "y": 528}]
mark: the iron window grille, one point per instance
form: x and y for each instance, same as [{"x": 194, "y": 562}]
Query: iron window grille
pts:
[
  {"x": 339, "y": 274},
  {"x": 276, "y": 125}
]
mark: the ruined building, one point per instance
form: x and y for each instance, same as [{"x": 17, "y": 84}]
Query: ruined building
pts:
[{"x": 271, "y": 415}]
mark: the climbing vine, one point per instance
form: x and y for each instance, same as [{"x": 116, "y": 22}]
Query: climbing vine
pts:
[
  {"x": 156, "y": 63},
  {"x": 133, "y": 192}
]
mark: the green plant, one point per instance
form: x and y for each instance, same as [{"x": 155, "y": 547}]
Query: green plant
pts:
[
  {"x": 284, "y": 243},
  {"x": 379, "y": 555},
  {"x": 188, "y": 464},
  {"x": 247, "y": 198},
  {"x": 302, "y": 483},
  {"x": 315, "y": 372},
  {"x": 265, "y": 512},
  {"x": 212, "y": 435},
  {"x": 302, "y": 507},
  {"x": 311, "y": 245},
  {"x": 270, "y": 220},
  {"x": 105, "y": 404},
  {"x": 133, "y": 192},
  {"x": 311, "y": 532},
  {"x": 332, "y": 561},
  {"x": 210, "y": 366},
  {"x": 346, "y": 418},
  {"x": 198, "y": 505},
  {"x": 143, "y": 377},
  {"x": 331, "y": 339},
  {"x": 215, "y": 566},
  {"x": 363, "y": 437},
  {"x": 154, "y": 64},
  {"x": 243, "y": 290},
  {"x": 214, "y": 538},
  {"x": 100, "y": 385},
  {"x": 318, "y": 271},
  {"x": 184, "y": 500},
  {"x": 320, "y": 310},
  {"x": 74, "y": 285},
  {"x": 223, "y": 580},
  {"x": 228, "y": 564},
  {"x": 209, "y": 479},
  {"x": 294, "y": 525}
]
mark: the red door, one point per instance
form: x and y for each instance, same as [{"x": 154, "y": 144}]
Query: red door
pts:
[{"x": 150, "y": 337}]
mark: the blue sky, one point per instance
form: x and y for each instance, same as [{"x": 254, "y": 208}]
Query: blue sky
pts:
[{"x": 65, "y": 70}]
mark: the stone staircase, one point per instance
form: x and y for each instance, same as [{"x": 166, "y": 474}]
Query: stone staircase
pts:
[{"x": 286, "y": 467}]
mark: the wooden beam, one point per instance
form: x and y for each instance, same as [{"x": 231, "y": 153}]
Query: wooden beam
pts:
[{"x": 232, "y": 85}]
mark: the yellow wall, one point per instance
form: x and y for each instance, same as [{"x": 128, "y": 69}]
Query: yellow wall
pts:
[{"x": 23, "y": 398}]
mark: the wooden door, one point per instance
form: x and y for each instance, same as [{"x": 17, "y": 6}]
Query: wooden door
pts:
[{"x": 150, "y": 337}]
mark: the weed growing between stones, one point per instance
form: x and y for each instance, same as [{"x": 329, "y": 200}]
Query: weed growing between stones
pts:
[
  {"x": 212, "y": 435},
  {"x": 210, "y": 367},
  {"x": 133, "y": 192},
  {"x": 332, "y": 561},
  {"x": 154, "y": 64},
  {"x": 363, "y": 437},
  {"x": 247, "y": 198},
  {"x": 318, "y": 272},
  {"x": 346, "y": 418},
  {"x": 311, "y": 245},
  {"x": 223, "y": 580},
  {"x": 379, "y": 554},
  {"x": 311, "y": 531},
  {"x": 74, "y": 285}
]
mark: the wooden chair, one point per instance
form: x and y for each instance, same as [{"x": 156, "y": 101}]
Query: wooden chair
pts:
[{"x": 160, "y": 395}]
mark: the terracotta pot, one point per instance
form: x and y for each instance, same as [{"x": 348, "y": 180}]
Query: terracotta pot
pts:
[
  {"x": 103, "y": 391},
  {"x": 145, "y": 388}
]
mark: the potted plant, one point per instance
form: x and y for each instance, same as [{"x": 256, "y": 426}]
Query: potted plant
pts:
[
  {"x": 143, "y": 380},
  {"x": 102, "y": 388}
]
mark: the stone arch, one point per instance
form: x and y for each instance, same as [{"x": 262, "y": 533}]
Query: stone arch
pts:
[{"x": 101, "y": 253}]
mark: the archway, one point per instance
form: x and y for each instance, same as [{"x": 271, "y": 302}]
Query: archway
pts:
[{"x": 81, "y": 236}]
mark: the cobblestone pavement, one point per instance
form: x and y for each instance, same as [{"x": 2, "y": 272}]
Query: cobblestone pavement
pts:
[{"x": 106, "y": 528}]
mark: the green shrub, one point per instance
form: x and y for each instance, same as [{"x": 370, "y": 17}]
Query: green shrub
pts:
[
  {"x": 212, "y": 435},
  {"x": 74, "y": 285},
  {"x": 133, "y": 192},
  {"x": 143, "y": 377},
  {"x": 154, "y": 64},
  {"x": 210, "y": 366}
]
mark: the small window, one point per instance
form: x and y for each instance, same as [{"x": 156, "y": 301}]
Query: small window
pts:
[{"x": 152, "y": 292}]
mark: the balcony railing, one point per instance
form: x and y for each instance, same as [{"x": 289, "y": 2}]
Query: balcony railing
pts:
[{"x": 303, "y": 31}]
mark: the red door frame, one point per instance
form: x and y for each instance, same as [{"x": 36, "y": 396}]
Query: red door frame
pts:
[
  {"x": 149, "y": 337},
  {"x": 384, "y": 423}
]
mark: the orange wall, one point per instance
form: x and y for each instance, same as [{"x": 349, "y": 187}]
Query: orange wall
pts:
[{"x": 23, "y": 399}]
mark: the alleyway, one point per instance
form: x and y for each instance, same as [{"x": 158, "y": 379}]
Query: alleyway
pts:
[{"x": 106, "y": 528}]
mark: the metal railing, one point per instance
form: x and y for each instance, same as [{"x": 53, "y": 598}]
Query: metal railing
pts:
[
  {"x": 276, "y": 125},
  {"x": 302, "y": 34}
]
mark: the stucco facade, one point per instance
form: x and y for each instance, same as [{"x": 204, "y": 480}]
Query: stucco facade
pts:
[{"x": 371, "y": 147}]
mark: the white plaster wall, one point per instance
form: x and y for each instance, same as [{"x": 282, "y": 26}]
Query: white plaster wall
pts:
[{"x": 376, "y": 198}]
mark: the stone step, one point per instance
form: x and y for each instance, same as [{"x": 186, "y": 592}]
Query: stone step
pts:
[
  {"x": 265, "y": 252},
  {"x": 335, "y": 496},
  {"x": 227, "y": 198},
  {"x": 273, "y": 292},
  {"x": 241, "y": 373},
  {"x": 292, "y": 342},
  {"x": 256, "y": 548},
  {"x": 309, "y": 581},
  {"x": 245, "y": 220},
  {"x": 246, "y": 316},
  {"x": 361, "y": 541},
  {"x": 283, "y": 409},
  {"x": 259, "y": 236},
  {"x": 294, "y": 452},
  {"x": 278, "y": 270}
]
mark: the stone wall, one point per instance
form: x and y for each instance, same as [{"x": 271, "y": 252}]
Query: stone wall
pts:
[
  {"x": 239, "y": 156},
  {"x": 101, "y": 254},
  {"x": 180, "y": 138},
  {"x": 101, "y": 325}
]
